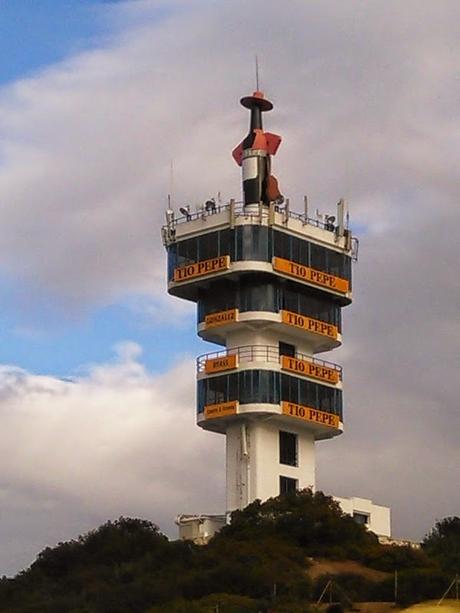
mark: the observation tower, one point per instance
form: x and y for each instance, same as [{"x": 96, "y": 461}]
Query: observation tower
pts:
[{"x": 270, "y": 285}]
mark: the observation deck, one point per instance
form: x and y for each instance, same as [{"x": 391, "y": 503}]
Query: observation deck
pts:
[
  {"x": 321, "y": 332},
  {"x": 257, "y": 381},
  {"x": 232, "y": 241},
  {"x": 268, "y": 357}
]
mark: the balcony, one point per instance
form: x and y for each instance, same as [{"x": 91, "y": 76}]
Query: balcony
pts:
[
  {"x": 234, "y": 212},
  {"x": 260, "y": 356},
  {"x": 197, "y": 261},
  {"x": 256, "y": 381}
]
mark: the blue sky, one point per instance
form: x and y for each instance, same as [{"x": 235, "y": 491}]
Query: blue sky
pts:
[
  {"x": 66, "y": 348},
  {"x": 33, "y": 334},
  {"x": 35, "y": 33}
]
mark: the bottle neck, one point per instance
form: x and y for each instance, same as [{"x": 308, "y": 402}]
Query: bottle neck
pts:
[{"x": 256, "y": 118}]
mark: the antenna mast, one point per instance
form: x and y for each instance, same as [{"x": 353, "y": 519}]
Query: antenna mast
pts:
[{"x": 171, "y": 182}]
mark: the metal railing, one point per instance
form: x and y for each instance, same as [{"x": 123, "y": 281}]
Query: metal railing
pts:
[
  {"x": 261, "y": 353},
  {"x": 239, "y": 211}
]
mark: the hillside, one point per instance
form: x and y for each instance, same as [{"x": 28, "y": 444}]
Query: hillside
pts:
[
  {"x": 324, "y": 566},
  {"x": 260, "y": 562}
]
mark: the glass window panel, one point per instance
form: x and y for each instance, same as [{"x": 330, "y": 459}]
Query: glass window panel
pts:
[
  {"x": 295, "y": 248},
  {"x": 285, "y": 388},
  {"x": 347, "y": 268},
  {"x": 220, "y": 296},
  {"x": 258, "y": 298},
  {"x": 226, "y": 243},
  {"x": 317, "y": 257},
  {"x": 281, "y": 245},
  {"x": 304, "y": 253},
  {"x": 324, "y": 401},
  {"x": 262, "y": 386},
  {"x": 269, "y": 244},
  {"x": 207, "y": 246},
  {"x": 260, "y": 244},
  {"x": 270, "y": 297},
  {"x": 287, "y": 485},
  {"x": 239, "y": 243},
  {"x": 361, "y": 518},
  {"x": 271, "y": 393},
  {"x": 291, "y": 301},
  {"x": 245, "y": 303},
  {"x": 172, "y": 260},
  {"x": 248, "y": 242},
  {"x": 286, "y": 349},
  {"x": 335, "y": 263},
  {"x": 187, "y": 251},
  {"x": 302, "y": 301},
  {"x": 253, "y": 243},
  {"x": 201, "y": 395},
  {"x": 288, "y": 448},
  {"x": 217, "y": 389},
  {"x": 256, "y": 392},
  {"x": 244, "y": 387},
  {"x": 276, "y": 387},
  {"x": 232, "y": 386}
]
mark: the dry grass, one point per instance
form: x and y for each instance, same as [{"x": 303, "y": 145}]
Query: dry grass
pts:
[
  {"x": 447, "y": 606},
  {"x": 322, "y": 567}
]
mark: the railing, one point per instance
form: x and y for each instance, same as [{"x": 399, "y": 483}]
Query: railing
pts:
[
  {"x": 261, "y": 353},
  {"x": 239, "y": 211},
  {"x": 175, "y": 221}
]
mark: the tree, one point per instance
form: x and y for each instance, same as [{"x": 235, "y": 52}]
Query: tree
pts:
[
  {"x": 443, "y": 544},
  {"x": 307, "y": 519}
]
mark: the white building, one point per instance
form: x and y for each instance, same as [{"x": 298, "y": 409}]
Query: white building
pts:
[
  {"x": 199, "y": 528},
  {"x": 375, "y": 517}
]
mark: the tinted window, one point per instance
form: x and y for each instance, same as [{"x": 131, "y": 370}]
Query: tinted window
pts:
[
  {"x": 266, "y": 386},
  {"x": 287, "y": 485},
  {"x": 253, "y": 243},
  {"x": 263, "y": 293},
  {"x": 257, "y": 243},
  {"x": 288, "y": 448}
]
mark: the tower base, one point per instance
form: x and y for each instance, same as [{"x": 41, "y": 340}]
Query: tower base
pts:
[{"x": 201, "y": 528}]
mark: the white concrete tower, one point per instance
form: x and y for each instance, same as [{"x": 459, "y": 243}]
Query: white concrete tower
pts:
[{"x": 269, "y": 285}]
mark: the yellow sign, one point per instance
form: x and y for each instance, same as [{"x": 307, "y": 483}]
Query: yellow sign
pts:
[
  {"x": 227, "y": 362},
  {"x": 205, "y": 267},
  {"x": 310, "y": 369},
  {"x": 299, "y": 271},
  {"x": 308, "y": 323},
  {"x": 221, "y": 318},
  {"x": 220, "y": 410},
  {"x": 309, "y": 414}
]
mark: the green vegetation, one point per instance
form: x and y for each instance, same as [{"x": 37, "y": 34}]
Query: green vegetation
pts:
[
  {"x": 257, "y": 563},
  {"x": 443, "y": 544}
]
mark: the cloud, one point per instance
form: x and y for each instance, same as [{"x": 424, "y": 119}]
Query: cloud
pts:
[
  {"x": 401, "y": 356},
  {"x": 115, "y": 441},
  {"x": 367, "y": 102},
  {"x": 365, "y": 109}
]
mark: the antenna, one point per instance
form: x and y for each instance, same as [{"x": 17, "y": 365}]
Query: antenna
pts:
[
  {"x": 257, "y": 72},
  {"x": 171, "y": 181}
]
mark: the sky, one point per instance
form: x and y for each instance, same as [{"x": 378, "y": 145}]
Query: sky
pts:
[{"x": 97, "y": 403}]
